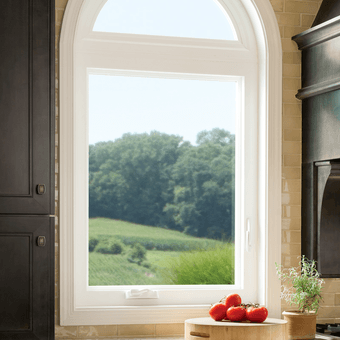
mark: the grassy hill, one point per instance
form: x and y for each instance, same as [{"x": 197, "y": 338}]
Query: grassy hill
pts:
[
  {"x": 171, "y": 258},
  {"x": 149, "y": 237}
]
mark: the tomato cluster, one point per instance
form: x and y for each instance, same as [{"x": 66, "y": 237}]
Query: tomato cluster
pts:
[{"x": 232, "y": 309}]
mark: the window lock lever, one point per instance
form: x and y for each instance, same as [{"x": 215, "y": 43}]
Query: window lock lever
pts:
[{"x": 141, "y": 294}]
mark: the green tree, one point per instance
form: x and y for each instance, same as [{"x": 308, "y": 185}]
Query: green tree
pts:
[
  {"x": 129, "y": 177},
  {"x": 160, "y": 180},
  {"x": 203, "y": 186}
]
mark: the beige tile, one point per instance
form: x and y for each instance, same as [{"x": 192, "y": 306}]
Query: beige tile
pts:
[
  {"x": 291, "y": 223},
  {"x": 337, "y": 299},
  {"x": 291, "y": 70},
  {"x": 292, "y": 109},
  {"x": 328, "y": 299},
  {"x": 291, "y": 148},
  {"x": 134, "y": 330},
  {"x": 291, "y": 185},
  {"x": 291, "y": 211},
  {"x": 292, "y": 160},
  {"x": 332, "y": 286},
  {"x": 325, "y": 320},
  {"x": 69, "y": 332},
  {"x": 288, "y": 262},
  {"x": 59, "y": 13},
  {"x": 291, "y": 58},
  {"x": 291, "y": 83},
  {"x": 290, "y": 31},
  {"x": 301, "y": 7},
  {"x": 288, "y": 45},
  {"x": 291, "y": 249},
  {"x": 291, "y": 236},
  {"x": 288, "y": 96},
  {"x": 292, "y": 198},
  {"x": 291, "y": 122},
  {"x": 292, "y": 134},
  {"x": 289, "y": 19},
  {"x": 60, "y": 3},
  {"x": 169, "y": 329},
  {"x": 307, "y": 19},
  {"x": 282, "y": 32},
  {"x": 97, "y": 331},
  {"x": 328, "y": 312},
  {"x": 277, "y": 5},
  {"x": 291, "y": 173}
]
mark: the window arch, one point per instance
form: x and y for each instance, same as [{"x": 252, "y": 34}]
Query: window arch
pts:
[
  {"x": 254, "y": 61},
  {"x": 207, "y": 21}
]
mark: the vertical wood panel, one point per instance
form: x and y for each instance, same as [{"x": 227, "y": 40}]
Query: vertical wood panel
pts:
[
  {"x": 26, "y": 106},
  {"x": 15, "y": 282},
  {"x": 15, "y": 113}
]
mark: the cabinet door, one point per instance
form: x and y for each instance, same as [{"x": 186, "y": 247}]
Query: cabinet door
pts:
[
  {"x": 26, "y": 106},
  {"x": 27, "y": 277}
]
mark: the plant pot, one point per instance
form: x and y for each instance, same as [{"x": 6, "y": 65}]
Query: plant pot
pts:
[{"x": 300, "y": 325}]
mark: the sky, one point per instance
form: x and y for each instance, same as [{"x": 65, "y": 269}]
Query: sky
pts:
[
  {"x": 121, "y": 104},
  {"x": 181, "y": 18}
]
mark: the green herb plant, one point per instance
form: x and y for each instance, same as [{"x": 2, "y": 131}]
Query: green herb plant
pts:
[{"x": 301, "y": 285}]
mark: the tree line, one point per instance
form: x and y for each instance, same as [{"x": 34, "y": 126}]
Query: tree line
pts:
[{"x": 160, "y": 180}]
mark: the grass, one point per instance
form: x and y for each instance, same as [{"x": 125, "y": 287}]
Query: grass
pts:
[
  {"x": 149, "y": 237},
  {"x": 172, "y": 258},
  {"x": 116, "y": 270},
  {"x": 214, "y": 266}
]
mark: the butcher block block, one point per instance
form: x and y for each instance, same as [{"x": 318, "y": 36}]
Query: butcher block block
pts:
[{"x": 207, "y": 328}]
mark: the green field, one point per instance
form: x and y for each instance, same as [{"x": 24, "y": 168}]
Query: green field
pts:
[{"x": 171, "y": 257}]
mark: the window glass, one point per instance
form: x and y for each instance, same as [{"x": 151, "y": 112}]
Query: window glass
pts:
[
  {"x": 161, "y": 181},
  {"x": 177, "y": 18}
]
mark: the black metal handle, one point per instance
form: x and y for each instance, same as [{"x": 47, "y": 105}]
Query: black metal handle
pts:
[
  {"x": 41, "y": 189},
  {"x": 41, "y": 241}
]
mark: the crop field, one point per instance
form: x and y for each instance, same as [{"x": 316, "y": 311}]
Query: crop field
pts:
[{"x": 123, "y": 253}]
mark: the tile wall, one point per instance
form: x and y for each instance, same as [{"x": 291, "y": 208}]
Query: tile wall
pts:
[{"x": 293, "y": 17}]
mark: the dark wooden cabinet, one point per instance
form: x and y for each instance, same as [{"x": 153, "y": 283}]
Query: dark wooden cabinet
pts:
[
  {"x": 26, "y": 107},
  {"x": 27, "y": 277},
  {"x": 27, "y": 169}
]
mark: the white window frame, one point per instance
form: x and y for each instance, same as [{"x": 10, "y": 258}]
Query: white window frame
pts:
[{"x": 109, "y": 51}]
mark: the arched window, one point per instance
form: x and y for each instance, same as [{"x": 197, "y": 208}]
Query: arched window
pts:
[
  {"x": 189, "y": 19},
  {"x": 113, "y": 51}
]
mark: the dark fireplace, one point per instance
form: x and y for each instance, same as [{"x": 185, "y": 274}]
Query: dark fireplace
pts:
[
  {"x": 320, "y": 95},
  {"x": 329, "y": 329}
]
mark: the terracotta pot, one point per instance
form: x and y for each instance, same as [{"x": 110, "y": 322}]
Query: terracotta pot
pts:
[{"x": 300, "y": 325}]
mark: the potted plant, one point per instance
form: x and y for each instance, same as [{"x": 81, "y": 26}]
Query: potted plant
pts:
[{"x": 301, "y": 286}]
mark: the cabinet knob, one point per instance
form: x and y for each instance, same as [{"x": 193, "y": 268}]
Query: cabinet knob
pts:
[
  {"x": 41, "y": 189},
  {"x": 41, "y": 241}
]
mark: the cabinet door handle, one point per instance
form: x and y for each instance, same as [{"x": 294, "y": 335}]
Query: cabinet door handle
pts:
[
  {"x": 41, "y": 241},
  {"x": 41, "y": 189},
  {"x": 248, "y": 236},
  {"x": 200, "y": 335}
]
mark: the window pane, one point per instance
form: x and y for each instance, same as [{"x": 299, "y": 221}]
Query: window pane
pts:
[
  {"x": 161, "y": 181},
  {"x": 177, "y": 18}
]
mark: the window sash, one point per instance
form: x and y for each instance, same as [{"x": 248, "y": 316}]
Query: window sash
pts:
[{"x": 246, "y": 152}]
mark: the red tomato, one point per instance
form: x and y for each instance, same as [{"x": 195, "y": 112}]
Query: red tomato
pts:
[
  {"x": 232, "y": 300},
  {"x": 236, "y": 313},
  {"x": 257, "y": 314},
  {"x": 218, "y": 311}
]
